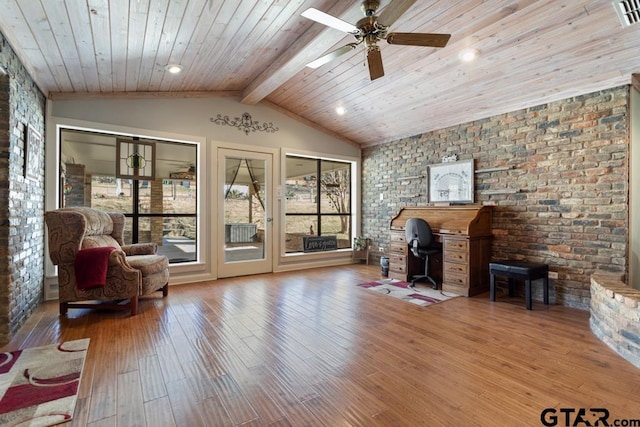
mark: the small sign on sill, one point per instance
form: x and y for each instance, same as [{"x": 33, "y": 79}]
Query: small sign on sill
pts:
[{"x": 319, "y": 243}]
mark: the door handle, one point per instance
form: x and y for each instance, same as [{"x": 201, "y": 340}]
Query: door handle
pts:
[{"x": 269, "y": 219}]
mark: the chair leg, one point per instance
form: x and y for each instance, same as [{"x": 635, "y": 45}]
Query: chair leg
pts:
[
  {"x": 134, "y": 305},
  {"x": 63, "y": 308},
  {"x": 492, "y": 287},
  {"x": 165, "y": 290},
  {"x": 527, "y": 292},
  {"x": 427, "y": 272}
]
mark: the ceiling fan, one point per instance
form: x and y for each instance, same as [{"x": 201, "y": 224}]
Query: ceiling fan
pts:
[{"x": 370, "y": 30}]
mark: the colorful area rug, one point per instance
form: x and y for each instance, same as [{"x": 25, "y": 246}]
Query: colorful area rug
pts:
[
  {"x": 421, "y": 294},
  {"x": 39, "y": 386}
]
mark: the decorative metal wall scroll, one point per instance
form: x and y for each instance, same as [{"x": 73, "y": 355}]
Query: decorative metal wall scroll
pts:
[{"x": 245, "y": 123}]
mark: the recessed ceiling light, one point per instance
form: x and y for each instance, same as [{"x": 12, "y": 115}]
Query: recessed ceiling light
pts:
[
  {"x": 341, "y": 111},
  {"x": 173, "y": 68},
  {"x": 468, "y": 54}
]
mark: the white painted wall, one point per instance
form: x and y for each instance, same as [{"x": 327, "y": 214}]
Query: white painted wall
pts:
[
  {"x": 188, "y": 119},
  {"x": 191, "y": 116}
]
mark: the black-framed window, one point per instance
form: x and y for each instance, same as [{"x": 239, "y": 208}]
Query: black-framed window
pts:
[
  {"x": 317, "y": 201},
  {"x": 161, "y": 210}
]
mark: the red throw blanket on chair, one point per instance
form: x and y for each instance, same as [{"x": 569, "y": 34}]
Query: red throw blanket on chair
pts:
[{"x": 91, "y": 266}]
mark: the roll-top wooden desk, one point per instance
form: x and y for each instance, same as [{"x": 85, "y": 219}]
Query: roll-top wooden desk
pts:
[{"x": 464, "y": 231}]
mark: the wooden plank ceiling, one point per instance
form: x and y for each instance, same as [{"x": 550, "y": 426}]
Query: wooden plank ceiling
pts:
[{"x": 531, "y": 52}]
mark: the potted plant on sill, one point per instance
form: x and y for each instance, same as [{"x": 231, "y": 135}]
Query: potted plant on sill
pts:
[{"x": 361, "y": 249}]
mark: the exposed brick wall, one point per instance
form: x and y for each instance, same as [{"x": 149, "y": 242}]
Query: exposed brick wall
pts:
[
  {"x": 615, "y": 315},
  {"x": 569, "y": 164},
  {"x": 21, "y": 199}
]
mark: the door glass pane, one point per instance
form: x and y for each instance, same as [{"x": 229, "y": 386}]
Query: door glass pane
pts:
[{"x": 244, "y": 209}]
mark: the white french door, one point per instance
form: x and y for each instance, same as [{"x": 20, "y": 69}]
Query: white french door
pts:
[{"x": 245, "y": 218}]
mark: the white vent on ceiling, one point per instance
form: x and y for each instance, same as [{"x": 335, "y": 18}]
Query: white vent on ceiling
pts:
[{"x": 628, "y": 11}]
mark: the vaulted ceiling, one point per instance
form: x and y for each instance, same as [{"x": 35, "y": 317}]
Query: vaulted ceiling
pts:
[{"x": 531, "y": 52}]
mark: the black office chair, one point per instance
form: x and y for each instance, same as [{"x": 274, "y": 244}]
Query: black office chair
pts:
[{"x": 420, "y": 239}]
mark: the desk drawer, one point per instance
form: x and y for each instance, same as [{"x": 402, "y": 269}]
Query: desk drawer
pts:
[
  {"x": 395, "y": 259},
  {"x": 398, "y": 268},
  {"x": 451, "y": 267},
  {"x": 455, "y": 245},
  {"x": 456, "y": 257},
  {"x": 397, "y": 248},
  {"x": 397, "y": 275},
  {"x": 398, "y": 237},
  {"x": 455, "y": 279}
]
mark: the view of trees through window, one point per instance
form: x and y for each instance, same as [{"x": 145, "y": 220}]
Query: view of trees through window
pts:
[{"x": 318, "y": 201}]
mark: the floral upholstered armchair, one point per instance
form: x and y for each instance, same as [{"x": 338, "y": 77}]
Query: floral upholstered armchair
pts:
[{"x": 95, "y": 265}]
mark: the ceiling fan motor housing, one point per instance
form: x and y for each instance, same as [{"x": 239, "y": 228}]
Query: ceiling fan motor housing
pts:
[{"x": 369, "y": 7}]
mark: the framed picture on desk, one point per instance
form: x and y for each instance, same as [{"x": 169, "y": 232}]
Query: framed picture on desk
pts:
[{"x": 451, "y": 182}]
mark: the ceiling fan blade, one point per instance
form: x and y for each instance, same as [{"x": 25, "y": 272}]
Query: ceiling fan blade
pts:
[
  {"x": 332, "y": 55},
  {"x": 329, "y": 21},
  {"x": 374, "y": 60},
  {"x": 393, "y": 11},
  {"x": 419, "y": 39}
]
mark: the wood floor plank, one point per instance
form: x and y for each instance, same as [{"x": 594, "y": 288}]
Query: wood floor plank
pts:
[
  {"x": 102, "y": 353},
  {"x": 326, "y": 412},
  {"x": 158, "y": 412},
  {"x": 105, "y": 422},
  {"x": 214, "y": 412},
  {"x": 185, "y": 406},
  {"x": 130, "y": 400},
  {"x": 310, "y": 348},
  {"x": 152, "y": 382}
]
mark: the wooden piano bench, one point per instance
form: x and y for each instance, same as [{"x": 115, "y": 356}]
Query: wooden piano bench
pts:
[{"x": 519, "y": 270}]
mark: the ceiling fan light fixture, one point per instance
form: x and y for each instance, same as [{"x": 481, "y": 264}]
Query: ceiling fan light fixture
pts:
[
  {"x": 469, "y": 54},
  {"x": 173, "y": 68}
]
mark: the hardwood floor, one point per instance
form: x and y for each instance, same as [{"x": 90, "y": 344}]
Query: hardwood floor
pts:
[{"x": 310, "y": 348}]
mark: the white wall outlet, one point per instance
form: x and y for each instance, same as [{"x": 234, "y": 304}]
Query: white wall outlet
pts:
[{"x": 381, "y": 197}]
